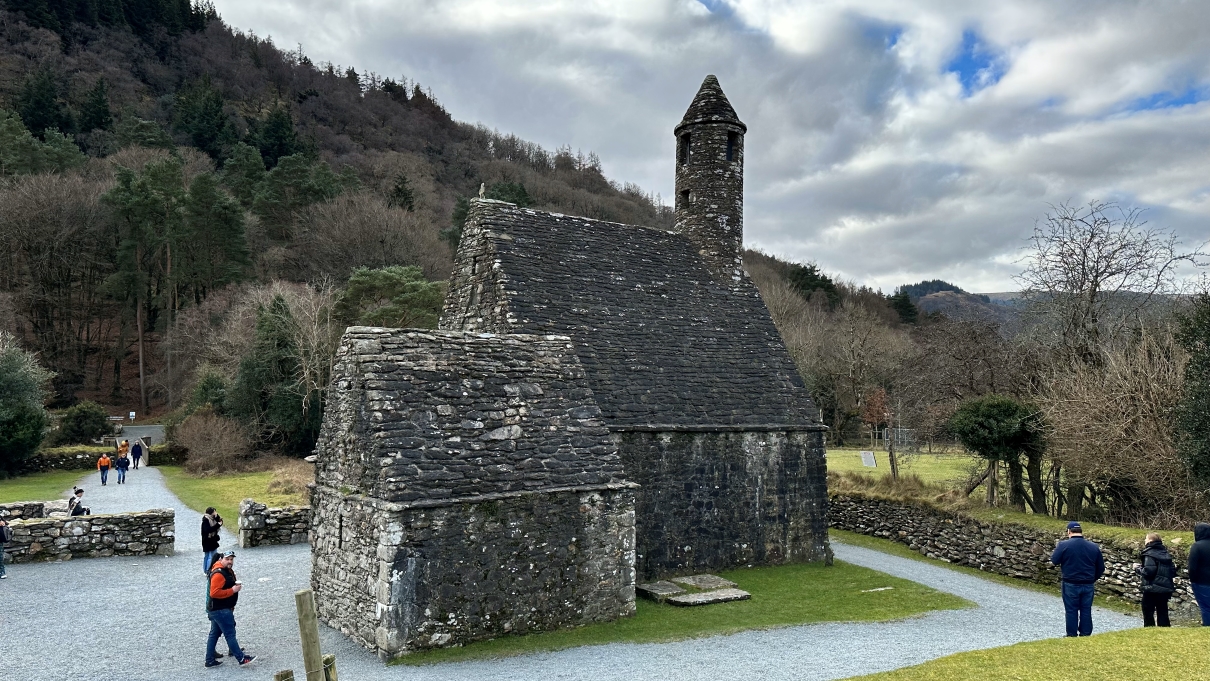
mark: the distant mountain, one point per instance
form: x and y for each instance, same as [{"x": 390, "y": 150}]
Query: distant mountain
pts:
[
  {"x": 925, "y": 288},
  {"x": 969, "y": 307}
]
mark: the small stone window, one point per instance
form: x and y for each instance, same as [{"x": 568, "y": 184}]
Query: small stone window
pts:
[
  {"x": 682, "y": 149},
  {"x": 732, "y": 145},
  {"x": 685, "y": 197}
]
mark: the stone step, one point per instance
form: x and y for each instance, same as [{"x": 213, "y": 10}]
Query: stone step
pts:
[
  {"x": 704, "y": 582},
  {"x": 708, "y": 597},
  {"x": 659, "y": 591}
]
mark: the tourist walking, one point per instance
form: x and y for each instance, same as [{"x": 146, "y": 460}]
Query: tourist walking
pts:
[
  {"x": 1082, "y": 565},
  {"x": 220, "y": 608},
  {"x": 75, "y": 505},
  {"x": 136, "y": 453},
  {"x": 6, "y": 535},
  {"x": 211, "y": 522},
  {"x": 1158, "y": 573},
  {"x": 103, "y": 465},
  {"x": 1199, "y": 569},
  {"x": 122, "y": 465}
]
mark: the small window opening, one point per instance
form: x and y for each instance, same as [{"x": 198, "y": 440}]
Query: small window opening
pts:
[
  {"x": 685, "y": 196},
  {"x": 732, "y": 143},
  {"x": 682, "y": 149}
]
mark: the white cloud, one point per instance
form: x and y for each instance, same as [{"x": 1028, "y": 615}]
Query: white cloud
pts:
[{"x": 865, "y": 153}]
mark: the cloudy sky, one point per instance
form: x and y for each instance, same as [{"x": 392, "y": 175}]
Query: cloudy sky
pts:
[{"x": 888, "y": 140}]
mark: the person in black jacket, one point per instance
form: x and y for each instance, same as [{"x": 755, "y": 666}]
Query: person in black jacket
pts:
[
  {"x": 6, "y": 535},
  {"x": 1159, "y": 574},
  {"x": 211, "y": 522},
  {"x": 1199, "y": 569},
  {"x": 1082, "y": 565}
]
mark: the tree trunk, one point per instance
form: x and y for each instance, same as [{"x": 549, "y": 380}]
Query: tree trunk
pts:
[
  {"x": 890, "y": 448},
  {"x": 1075, "y": 500},
  {"x": 119, "y": 354},
  {"x": 138, "y": 320},
  {"x": 1016, "y": 484},
  {"x": 1037, "y": 486},
  {"x": 970, "y": 486},
  {"x": 992, "y": 475}
]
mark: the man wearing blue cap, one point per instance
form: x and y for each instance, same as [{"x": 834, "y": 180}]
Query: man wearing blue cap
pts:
[{"x": 1082, "y": 565}]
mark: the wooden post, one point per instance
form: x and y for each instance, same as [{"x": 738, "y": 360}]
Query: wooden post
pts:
[
  {"x": 330, "y": 668},
  {"x": 284, "y": 675},
  {"x": 308, "y": 631}
]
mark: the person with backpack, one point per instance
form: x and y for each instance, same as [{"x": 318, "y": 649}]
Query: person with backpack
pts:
[
  {"x": 136, "y": 453},
  {"x": 211, "y": 522},
  {"x": 122, "y": 465},
  {"x": 1199, "y": 569},
  {"x": 1158, "y": 573},
  {"x": 6, "y": 535},
  {"x": 103, "y": 465},
  {"x": 220, "y": 608}
]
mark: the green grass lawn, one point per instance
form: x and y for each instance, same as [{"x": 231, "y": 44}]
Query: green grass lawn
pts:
[
  {"x": 39, "y": 486},
  {"x": 1178, "y": 653},
  {"x": 938, "y": 469},
  {"x": 224, "y": 492},
  {"x": 782, "y": 595}
]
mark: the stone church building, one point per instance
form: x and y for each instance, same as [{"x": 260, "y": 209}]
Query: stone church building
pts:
[{"x": 603, "y": 404}]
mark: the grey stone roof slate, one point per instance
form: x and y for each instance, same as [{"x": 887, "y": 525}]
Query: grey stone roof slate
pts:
[
  {"x": 710, "y": 105},
  {"x": 662, "y": 342}
]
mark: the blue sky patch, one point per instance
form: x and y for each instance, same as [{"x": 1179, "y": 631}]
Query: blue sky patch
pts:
[
  {"x": 1171, "y": 99},
  {"x": 977, "y": 65}
]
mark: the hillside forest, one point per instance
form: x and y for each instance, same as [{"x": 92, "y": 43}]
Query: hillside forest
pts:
[{"x": 191, "y": 215}]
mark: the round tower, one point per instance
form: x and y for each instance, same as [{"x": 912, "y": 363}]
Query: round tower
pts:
[{"x": 710, "y": 181}]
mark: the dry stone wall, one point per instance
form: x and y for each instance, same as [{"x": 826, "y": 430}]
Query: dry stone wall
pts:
[
  {"x": 1004, "y": 548},
  {"x": 23, "y": 510},
  {"x": 97, "y": 536},
  {"x": 260, "y": 525}
]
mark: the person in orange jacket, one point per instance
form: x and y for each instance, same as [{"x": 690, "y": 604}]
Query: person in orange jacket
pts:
[
  {"x": 220, "y": 608},
  {"x": 103, "y": 465}
]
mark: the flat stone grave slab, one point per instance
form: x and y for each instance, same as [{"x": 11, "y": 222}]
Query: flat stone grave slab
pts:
[
  {"x": 708, "y": 597},
  {"x": 659, "y": 591},
  {"x": 704, "y": 582}
]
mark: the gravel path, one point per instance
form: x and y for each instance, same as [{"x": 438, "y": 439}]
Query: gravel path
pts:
[{"x": 143, "y": 619}]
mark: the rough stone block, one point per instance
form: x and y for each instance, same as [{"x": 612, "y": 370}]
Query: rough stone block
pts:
[
  {"x": 704, "y": 582},
  {"x": 658, "y": 591},
  {"x": 709, "y": 597}
]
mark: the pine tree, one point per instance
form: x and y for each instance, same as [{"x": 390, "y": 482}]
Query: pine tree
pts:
[
  {"x": 902, "y": 303},
  {"x": 1193, "y": 413},
  {"x": 243, "y": 173},
  {"x": 401, "y": 195},
  {"x": 275, "y": 137},
  {"x": 22, "y": 154},
  {"x": 216, "y": 246},
  {"x": 199, "y": 113},
  {"x": 95, "y": 113},
  {"x": 39, "y": 106}
]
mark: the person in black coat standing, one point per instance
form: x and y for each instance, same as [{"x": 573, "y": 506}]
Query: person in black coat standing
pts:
[
  {"x": 1199, "y": 569},
  {"x": 1082, "y": 565},
  {"x": 1159, "y": 575},
  {"x": 211, "y": 522}
]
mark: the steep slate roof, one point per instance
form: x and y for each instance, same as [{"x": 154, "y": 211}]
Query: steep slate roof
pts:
[
  {"x": 710, "y": 105},
  {"x": 661, "y": 341}
]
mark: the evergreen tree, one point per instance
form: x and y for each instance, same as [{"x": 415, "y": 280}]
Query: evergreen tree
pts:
[
  {"x": 22, "y": 154},
  {"x": 807, "y": 279},
  {"x": 395, "y": 297},
  {"x": 266, "y": 392},
  {"x": 243, "y": 173},
  {"x": 275, "y": 137},
  {"x": 199, "y": 113},
  {"x": 83, "y": 423},
  {"x": 401, "y": 195},
  {"x": 39, "y": 105},
  {"x": 216, "y": 247},
  {"x": 513, "y": 192},
  {"x": 23, "y": 390},
  {"x": 1193, "y": 414},
  {"x": 902, "y": 303},
  {"x": 95, "y": 113},
  {"x": 352, "y": 77},
  {"x": 295, "y": 183},
  {"x": 135, "y": 132}
]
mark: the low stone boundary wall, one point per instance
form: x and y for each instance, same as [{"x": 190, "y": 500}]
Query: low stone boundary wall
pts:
[
  {"x": 1004, "y": 548},
  {"x": 97, "y": 536},
  {"x": 260, "y": 525},
  {"x": 23, "y": 510}
]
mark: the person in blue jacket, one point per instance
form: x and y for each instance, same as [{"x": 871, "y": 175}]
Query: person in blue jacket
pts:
[{"x": 1082, "y": 565}]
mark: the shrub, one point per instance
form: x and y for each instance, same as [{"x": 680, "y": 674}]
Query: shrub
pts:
[
  {"x": 22, "y": 426},
  {"x": 82, "y": 424},
  {"x": 216, "y": 443}
]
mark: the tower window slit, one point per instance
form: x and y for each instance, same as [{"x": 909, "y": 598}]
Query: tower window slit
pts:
[
  {"x": 732, "y": 142},
  {"x": 682, "y": 149},
  {"x": 685, "y": 197}
]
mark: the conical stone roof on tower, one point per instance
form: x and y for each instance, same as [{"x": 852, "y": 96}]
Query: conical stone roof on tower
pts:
[{"x": 710, "y": 106}]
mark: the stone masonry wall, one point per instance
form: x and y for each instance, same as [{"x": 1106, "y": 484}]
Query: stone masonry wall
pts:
[
  {"x": 1003, "y": 548},
  {"x": 97, "y": 536},
  {"x": 260, "y": 525},
  {"x": 23, "y": 510},
  {"x": 711, "y": 501},
  {"x": 399, "y": 578}
]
